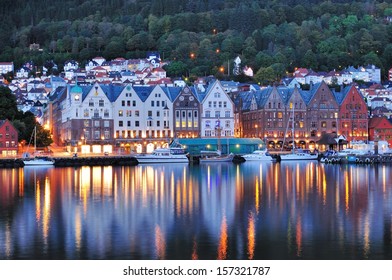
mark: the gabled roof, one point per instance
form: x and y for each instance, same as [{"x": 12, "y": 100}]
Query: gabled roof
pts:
[
  {"x": 307, "y": 95},
  {"x": 246, "y": 97},
  {"x": 379, "y": 122},
  {"x": 143, "y": 92},
  {"x": 172, "y": 92},
  {"x": 285, "y": 93},
  {"x": 112, "y": 91}
]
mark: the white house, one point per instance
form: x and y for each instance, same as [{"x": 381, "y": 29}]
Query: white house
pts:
[
  {"x": 6, "y": 67},
  {"x": 217, "y": 112}
]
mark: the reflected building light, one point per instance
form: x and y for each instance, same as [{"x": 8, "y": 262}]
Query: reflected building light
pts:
[
  {"x": 195, "y": 256},
  {"x": 347, "y": 190},
  {"x": 78, "y": 230},
  {"x": 37, "y": 203},
  {"x": 337, "y": 197},
  {"x": 324, "y": 184},
  {"x": 257, "y": 195},
  {"x": 223, "y": 241},
  {"x": 108, "y": 180},
  {"x": 97, "y": 181},
  {"x": 85, "y": 183},
  {"x": 46, "y": 210},
  {"x": 366, "y": 237},
  {"x": 251, "y": 236},
  {"x": 160, "y": 244},
  {"x": 384, "y": 179},
  {"x": 298, "y": 236}
]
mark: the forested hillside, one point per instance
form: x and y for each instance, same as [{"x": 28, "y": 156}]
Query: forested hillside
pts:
[{"x": 274, "y": 36}]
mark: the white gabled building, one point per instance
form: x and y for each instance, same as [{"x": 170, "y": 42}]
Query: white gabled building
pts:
[
  {"x": 126, "y": 114},
  {"x": 87, "y": 116},
  {"x": 217, "y": 112}
]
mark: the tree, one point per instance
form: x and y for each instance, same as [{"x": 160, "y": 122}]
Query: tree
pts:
[
  {"x": 265, "y": 76},
  {"x": 176, "y": 68},
  {"x": 8, "y": 108}
]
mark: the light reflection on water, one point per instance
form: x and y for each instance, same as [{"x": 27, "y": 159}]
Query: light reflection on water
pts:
[{"x": 178, "y": 211}]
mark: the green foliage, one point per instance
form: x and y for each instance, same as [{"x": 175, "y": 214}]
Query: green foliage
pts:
[
  {"x": 309, "y": 33},
  {"x": 8, "y": 109}
]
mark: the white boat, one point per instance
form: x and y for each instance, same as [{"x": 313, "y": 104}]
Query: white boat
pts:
[
  {"x": 37, "y": 160},
  {"x": 298, "y": 155},
  {"x": 164, "y": 155},
  {"x": 259, "y": 155},
  {"x": 217, "y": 158}
]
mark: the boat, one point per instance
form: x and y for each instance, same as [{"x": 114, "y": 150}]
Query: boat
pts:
[
  {"x": 297, "y": 154},
  {"x": 36, "y": 160},
  {"x": 215, "y": 157},
  {"x": 259, "y": 155},
  {"x": 164, "y": 155}
]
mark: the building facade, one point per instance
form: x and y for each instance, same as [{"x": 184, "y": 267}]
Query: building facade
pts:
[{"x": 8, "y": 139}]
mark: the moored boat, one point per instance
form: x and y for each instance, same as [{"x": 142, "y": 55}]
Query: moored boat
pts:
[
  {"x": 164, "y": 155},
  {"x": 298, "y": 155},
  {"x": 258, "y": 155}
]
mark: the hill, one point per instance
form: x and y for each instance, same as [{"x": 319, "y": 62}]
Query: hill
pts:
[{"x": 200, "y": 37}]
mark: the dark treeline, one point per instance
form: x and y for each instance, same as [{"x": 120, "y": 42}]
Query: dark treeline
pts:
[{"x": 270, "y": 36}]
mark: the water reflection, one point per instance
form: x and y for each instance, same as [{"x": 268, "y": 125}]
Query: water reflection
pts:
[{"x": 178, "y": 211}]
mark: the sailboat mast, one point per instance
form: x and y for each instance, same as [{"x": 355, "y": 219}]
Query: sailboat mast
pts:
[
  {"x": 292, "y": 129},
  {"x": 35, "y": 138}
]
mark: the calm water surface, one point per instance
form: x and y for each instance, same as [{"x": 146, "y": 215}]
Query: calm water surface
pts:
[{"x": 179, "y": 211}]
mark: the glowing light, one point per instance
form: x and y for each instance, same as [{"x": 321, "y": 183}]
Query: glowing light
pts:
[{"x": 223, "y": 241}]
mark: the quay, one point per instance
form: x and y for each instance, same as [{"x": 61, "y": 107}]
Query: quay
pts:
[
  {"x": 77, "y": 161},
  {"x": 358, "y": 159}
]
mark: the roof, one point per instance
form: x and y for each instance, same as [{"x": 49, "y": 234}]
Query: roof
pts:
[{"x": 224, "y": 141}]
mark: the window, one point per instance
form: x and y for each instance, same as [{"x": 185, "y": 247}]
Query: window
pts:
[
  {"x": 86, "y": 123},
  {"x": 152, "y": 103},
  {"x": 86, "y": 113},
  {"x": 123, "y": 103},
  {"x": 323, "y": 124},
  {"x": 106, "y": 134},
  {"x": 137, "y": 123},
  {"x": 217, "y": 114},
  {"x": 96, "y": 113},
  {"x": 134, "y": 103},
  {"x": 106, "y": 124},
  {"x": 91, "y": 103},
  {"x": 137, "y": 113},
  {"x": 120, "y": 123},
  {"x": 149, "y": 113},
  {"x": 120, "y": 113},
  {"x": 208, "y": 114},
  {"x": 208, "y": 124},
  {"x": 106, "y": 113},
  {"x": 96, "y": 123},
  {"x": 97, "y": 134},
  {"x": 227, "y": 114}
]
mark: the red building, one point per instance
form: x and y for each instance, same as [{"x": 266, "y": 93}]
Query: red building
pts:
[
  {"x": 381, "y": 128},
  {"x": 353, "y": 114},
  {"x": 8, "y": 139}
]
